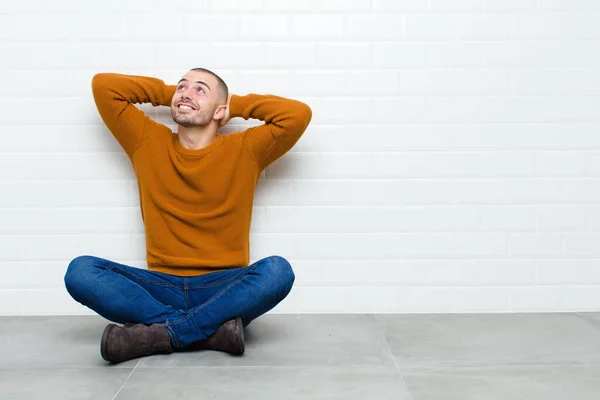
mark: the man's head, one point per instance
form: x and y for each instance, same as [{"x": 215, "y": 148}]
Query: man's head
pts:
[{"x": 205, "y": 92}]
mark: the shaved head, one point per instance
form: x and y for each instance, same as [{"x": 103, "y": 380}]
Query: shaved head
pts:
[{"x": 222, "y": 89}]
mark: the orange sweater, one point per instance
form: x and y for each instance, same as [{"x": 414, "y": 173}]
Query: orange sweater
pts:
[{"x": 196, "y": 205}]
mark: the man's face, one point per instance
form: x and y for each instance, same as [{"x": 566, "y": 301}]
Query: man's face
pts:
[{"x": 195, "y": 100}]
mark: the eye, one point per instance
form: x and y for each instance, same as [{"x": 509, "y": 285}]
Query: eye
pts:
[{"x": 201, "y": 89}]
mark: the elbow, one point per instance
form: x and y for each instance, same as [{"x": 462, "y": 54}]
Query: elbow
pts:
[
  {"x": 98, "y": 81},
  {"x": 101, "y": 80},
  {"x": 98, "y": 78},
  {"x": 307, "y": 113},
  {"x": 304, "y": 115}
]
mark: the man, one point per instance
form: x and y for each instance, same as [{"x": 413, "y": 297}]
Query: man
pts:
[{"x": 196, "y": 190}]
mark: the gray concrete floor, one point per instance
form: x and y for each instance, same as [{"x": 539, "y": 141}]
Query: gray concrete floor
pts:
[{"x": 418, "y": 357}]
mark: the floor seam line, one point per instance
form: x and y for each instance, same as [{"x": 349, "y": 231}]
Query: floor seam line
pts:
[
  {"x": 128, "y": 376},
  {"x": 387, "y": 345}
]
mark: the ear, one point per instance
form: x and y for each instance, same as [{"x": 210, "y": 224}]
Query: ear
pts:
[{"x": 220, "y": 112}]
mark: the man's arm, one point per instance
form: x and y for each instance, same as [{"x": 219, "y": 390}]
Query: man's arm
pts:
[
  {"x": 115, "y": 95},
  {"x": 285, "y": 121}
]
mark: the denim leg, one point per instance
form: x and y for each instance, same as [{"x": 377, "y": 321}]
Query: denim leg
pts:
[
  {"x": 220, "y": 296},
  {"x": 122, "y": 294}
]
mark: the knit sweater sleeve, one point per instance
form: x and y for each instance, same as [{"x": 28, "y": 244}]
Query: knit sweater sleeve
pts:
[
  {"x": 285, "y": 122},
  {"x": 115, "y": 95}
]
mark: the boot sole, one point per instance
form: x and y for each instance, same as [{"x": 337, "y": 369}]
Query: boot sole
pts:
[
  {"x": 240, "y": 335},
  {"x": 107, "y": 330}
]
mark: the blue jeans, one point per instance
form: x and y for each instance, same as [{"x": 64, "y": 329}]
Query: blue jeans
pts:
[{"x": 192, "y": 308}]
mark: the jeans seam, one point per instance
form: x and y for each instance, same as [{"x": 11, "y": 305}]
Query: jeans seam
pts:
[
  {"x": 173, "y": 335},
  {"x": 142, "y": 279},
  {"x": 169, "y": 324},
  {"x": 213, "y": 299},
  {"x": 185, "y": 293},
  {"x": 220, "y": 282}
]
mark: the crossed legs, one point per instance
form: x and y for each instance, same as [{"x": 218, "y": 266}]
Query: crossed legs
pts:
[{"x": 191, "y": 308}]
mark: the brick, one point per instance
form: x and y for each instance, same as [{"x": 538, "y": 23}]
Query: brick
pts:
[
  {"x": 317, "y": 26},
  {"x": 430, "y": 26},
  {"x": 374, "y": 27}
]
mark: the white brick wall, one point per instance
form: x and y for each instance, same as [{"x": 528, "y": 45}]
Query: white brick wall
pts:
[{"x": 452, "y": 165}]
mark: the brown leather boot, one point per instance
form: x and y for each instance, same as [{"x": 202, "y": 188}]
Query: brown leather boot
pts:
[
  {"x": 229, "y": 338},
  {"x": 124, "y": 343}
]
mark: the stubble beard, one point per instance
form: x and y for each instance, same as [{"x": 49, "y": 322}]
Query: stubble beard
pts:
[{"x": 188, "y": 121}]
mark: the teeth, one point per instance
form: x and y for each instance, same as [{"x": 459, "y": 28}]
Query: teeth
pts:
[{"x": 186, "y": 107}]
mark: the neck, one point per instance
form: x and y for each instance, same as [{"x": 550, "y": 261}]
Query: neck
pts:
[{"x": 197, "y": 137}]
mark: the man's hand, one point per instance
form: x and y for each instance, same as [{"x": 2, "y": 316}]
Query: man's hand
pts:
[{"x": 226, "y": 117}]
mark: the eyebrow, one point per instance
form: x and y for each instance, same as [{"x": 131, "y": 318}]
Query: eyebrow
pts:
[{"x": 201, "y": 82}]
